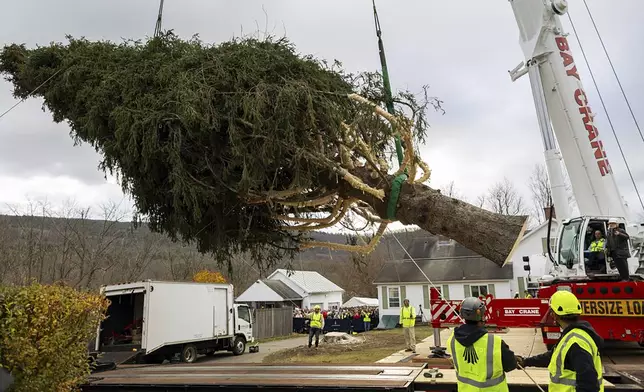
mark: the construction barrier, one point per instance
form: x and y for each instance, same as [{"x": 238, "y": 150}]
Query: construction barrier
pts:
[{"x": 301, "y": 325}]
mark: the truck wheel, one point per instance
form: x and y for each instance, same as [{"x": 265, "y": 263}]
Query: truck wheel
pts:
[
  {"x": 189, "y": 353},
  {"x": 239, "y": 346}
]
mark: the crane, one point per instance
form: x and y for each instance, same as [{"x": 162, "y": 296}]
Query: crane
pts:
[
  {"x": 570, "y": 134},
  {"x": 615, "y": 309}
]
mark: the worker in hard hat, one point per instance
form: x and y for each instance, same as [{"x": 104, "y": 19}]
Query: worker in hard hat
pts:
[
  {"x": 408, "y": 321},
  {"x": 574, "y": 363},
  {"x": 527, "y": 295},
  {"x": 617, "y": 246},
  {"x": 597, "y": 254},
  {"x": 316, "y": 325},
  {"x": 480, "y": 358}
]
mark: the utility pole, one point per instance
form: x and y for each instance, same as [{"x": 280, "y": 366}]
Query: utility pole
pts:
[{"x": 157, "y": 28}]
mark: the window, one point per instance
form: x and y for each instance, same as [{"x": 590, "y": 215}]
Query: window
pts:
[
  {"x": 334, "y": 305},
  {"x": 394, "y": 297},
  {"x": 478, "y": 291},
  {"x": 553, "y": 245},
  {"x": 569, "y": 244},
  {"x": 243, "y": 313}
]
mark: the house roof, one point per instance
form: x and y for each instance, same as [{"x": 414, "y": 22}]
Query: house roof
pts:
[
  {"x": 280, "y": 288},
  {"x": 446, "y": 269},
  {"x": 310, "y": 281},
  {"x": 538, "y": 228},
  {"x": 361, "y": 301}
]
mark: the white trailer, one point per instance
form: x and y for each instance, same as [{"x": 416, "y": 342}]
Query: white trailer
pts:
[{"x": 155, "y": 320}]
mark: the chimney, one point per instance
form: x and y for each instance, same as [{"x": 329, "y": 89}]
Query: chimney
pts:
[{"x": 550, "y": 210}]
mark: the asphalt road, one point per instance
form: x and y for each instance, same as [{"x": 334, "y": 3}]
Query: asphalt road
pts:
[{"x": 264, "y": 350}]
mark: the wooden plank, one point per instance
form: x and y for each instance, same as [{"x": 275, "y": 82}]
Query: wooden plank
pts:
[
  {"x": 372, "y": 376},
  {"x": 375, "y": 383},
  {"x": 515, "y": 377}
]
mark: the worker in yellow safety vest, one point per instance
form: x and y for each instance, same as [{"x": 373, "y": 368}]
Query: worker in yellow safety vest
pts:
[
  {"x": 527, "y": 294},
  {"x": 366, "y": 319},
  {"x": 597, "y": 254},
  {"x": 480, "y": 358},
  {"x": 316, "y": 325},
  {"x": 408, "y": 321},
  {"x": 574, "y": 363}
]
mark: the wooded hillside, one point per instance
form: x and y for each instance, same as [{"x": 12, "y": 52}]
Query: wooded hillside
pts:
[{"x": 87, "y": 253}]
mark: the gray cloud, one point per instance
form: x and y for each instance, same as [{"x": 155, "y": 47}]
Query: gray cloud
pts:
[{"x": 462, "y": 49}]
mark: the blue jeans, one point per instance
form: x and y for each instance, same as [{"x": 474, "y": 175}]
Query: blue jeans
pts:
[{"x": 367, "y": 325}]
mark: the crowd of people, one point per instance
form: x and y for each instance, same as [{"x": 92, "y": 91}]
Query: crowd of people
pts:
[{"x": 355, "y": 313}]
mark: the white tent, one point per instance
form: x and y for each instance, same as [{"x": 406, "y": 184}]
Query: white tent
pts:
[{"x": 360, "y": 301}]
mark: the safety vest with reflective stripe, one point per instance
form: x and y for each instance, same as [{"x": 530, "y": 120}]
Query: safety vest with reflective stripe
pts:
[
  {"x": 366, "y": 318},
  {"x": 597, "y": 245},
  {"x": 316, "y": 320},
  {"x": 478, "y": 367},
  {"x": 564, "y": 380},
  {"x": 408, "y": 316}
]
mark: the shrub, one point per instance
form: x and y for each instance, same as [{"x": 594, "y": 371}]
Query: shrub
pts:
[
  {"x": 205, "y": 276},
  {"x": 44, "y": 330}
]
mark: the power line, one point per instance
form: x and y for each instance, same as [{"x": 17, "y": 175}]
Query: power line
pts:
[
  {"x": 619, "y": 83},
  {"x": 30, "y": 93},
  {"x": 601, "y": 99}
]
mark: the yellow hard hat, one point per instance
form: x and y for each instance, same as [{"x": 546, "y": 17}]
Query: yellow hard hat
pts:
[
  {"x": 317, "y": 307},
  {"x": 564, "y": 303}
]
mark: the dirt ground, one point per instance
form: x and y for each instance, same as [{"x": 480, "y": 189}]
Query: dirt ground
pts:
[{"x": 376, "y": 345}]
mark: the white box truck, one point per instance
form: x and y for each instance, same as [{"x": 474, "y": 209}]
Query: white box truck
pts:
[{"x": 154, "y": 321}]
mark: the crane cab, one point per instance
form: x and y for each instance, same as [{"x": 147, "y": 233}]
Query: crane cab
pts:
[{"x": 574, "y": 256}]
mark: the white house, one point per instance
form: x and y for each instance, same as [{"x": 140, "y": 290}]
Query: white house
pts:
[
  {"x": 533, "y": 245},
  {"x": 456, "y": 272},
  {"x": 270, "y": 294},
  {"x": 304, "y": 289}
]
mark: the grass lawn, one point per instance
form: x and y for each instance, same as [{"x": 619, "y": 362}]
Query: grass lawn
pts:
[{"x": 376, "y": 345}]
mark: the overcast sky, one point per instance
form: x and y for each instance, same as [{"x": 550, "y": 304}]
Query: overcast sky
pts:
[{"x": 462, "y": 49}]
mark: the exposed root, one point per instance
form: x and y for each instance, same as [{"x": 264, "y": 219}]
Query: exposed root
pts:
[
  {"x": 359, "y": 185},
  {"x": 336, "y": 209},
  {"x": 338, "y": 217},
  {"x": 353, "y": 151},
  {"x": 364, "y": 249}
]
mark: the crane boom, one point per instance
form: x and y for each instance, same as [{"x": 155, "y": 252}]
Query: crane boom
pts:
[{"x": 549, "y": 62}]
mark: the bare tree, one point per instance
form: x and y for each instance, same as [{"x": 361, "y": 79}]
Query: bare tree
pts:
[
  {"x": 480, "y": 201},
  {"x": 541, "y": 192},
  {"x": 451, "y": 190},
  {"x": 503, "y": 198}
]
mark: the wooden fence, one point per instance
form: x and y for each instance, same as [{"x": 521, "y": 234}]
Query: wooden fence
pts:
[{"x": 268, "y": 323}]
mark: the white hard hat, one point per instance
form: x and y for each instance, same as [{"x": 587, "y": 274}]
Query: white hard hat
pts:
[{"x": 612, "y": 220}]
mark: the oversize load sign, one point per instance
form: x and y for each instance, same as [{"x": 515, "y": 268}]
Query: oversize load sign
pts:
[{"x": 612, "y": 307}]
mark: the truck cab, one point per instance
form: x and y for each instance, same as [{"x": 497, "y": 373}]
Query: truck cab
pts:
[
  {"x": 243, "y": 322},
  {"x": 575, "y": 237}
]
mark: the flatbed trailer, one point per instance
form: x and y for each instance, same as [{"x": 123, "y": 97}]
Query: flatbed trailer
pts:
[{"x": 405, "y": 377}]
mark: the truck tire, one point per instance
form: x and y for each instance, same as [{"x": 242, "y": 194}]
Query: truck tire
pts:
[
  {"x": 189, "y": 353},
  {"x": 239, "y": 345}
]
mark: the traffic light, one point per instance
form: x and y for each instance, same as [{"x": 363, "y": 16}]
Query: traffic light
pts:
[{"x": 526, "y": 260}]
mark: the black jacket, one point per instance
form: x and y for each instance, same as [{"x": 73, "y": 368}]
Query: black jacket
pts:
[
  {"x": 577, "y": 359},
  {"x": 617, "y": 245},
  {"x": 468, "y": 334}
]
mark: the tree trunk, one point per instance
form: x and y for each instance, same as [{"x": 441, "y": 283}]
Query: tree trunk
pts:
[{"x": 493, "y": 236}]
